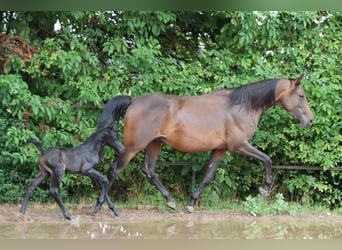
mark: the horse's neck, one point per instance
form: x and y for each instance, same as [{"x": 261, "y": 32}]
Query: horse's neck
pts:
[
  {"x": 259, "y": 113},
  {"x": 255, "y": 115}
]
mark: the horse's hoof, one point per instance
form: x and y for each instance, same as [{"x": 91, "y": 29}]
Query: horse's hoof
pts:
[
  {"x": 25, "y": 218},
  {"x": 172, "y": 205},
  {"x": 263, "y": 192},
  {"x": 190, "y": 209}
]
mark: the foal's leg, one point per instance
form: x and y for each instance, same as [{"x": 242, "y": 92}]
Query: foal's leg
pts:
[
  {"x": 249, "y": 150},
  {"x": 43, "y": 175},
  {"x": 56, "y": 178},
  {"x": 151, "y": 155},
  {"x": 121, "y": 161},
  {"x": 102, "y": 183},
  {"x": 215, "y": 159}
]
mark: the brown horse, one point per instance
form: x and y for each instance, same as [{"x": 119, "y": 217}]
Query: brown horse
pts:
[{"x": 223, "y": 120}]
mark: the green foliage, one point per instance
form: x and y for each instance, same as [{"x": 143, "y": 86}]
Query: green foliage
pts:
[
  {"x": 309, "y": 188},
  {"x": 57, "y": 95},
  {"x": 259, "y": 206}
]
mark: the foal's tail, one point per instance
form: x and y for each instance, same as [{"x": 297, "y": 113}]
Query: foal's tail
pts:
[
  {"x": 36, "y": 143},
  {"x": 113, "y": 110}
]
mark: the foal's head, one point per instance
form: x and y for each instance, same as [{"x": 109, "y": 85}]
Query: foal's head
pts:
[
  {"x": 111, "y": 138},
  {"x": 290, "y": 95}
]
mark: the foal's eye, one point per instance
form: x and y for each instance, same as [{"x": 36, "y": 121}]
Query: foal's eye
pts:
[{"x": 301, "y": 96}]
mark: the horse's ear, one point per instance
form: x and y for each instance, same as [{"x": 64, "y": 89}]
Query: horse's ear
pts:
[{"x": 298, "y": 80}]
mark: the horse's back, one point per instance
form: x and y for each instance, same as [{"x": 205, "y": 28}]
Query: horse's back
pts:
[
  {"x": 155, "y": 108},
  {"x": 187, "y": 123},
  {"x": 162, "y": 102}
]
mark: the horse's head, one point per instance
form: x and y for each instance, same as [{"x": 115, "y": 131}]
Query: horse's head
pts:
[{"x": 291, "y": 96}]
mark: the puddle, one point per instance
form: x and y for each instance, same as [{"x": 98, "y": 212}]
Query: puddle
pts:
[{"x": 173, "y": 230}]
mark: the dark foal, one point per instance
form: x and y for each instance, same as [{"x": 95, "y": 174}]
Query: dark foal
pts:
[{"x": 82, "y": 159}]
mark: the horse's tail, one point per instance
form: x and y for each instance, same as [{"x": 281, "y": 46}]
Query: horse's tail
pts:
[
  {"x": 113, "y": 110},
  {"x": 36, "y": 143}
]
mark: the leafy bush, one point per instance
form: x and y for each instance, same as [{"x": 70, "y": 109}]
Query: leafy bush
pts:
[{"x": 256, "y": 206}]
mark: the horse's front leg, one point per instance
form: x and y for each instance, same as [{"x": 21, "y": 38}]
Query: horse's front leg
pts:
[
  {"x": 248, "y": 150},
  {"x": 215, "y": 159}
]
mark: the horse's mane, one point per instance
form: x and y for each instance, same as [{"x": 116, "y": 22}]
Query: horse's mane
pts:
[{"x": 254, "y": 96}]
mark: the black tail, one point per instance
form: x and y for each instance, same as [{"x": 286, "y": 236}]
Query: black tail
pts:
[
  {"x": 113, "y": 110},
  {"x": 36, "y": 143}
]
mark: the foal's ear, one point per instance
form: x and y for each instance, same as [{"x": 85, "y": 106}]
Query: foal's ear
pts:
[{"x": 298, "y": 80}]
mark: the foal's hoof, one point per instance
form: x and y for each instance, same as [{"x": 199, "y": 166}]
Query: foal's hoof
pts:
[
  {"x": 74, "y": 219},
  {"x": 116, "y": 212},
  {"x": 172, "y": 205},
  {"x": 190, "y": 209},
  {"x": 69, "y": 217},
  {"x": 263, "y": 192},
  {"x": 96, "y": 210}
]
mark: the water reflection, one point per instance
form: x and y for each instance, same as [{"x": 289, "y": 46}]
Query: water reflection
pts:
[{"x": 173, "y": 230}]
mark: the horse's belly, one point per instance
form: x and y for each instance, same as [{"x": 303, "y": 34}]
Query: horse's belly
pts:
[{"x": 193, "y": 144}]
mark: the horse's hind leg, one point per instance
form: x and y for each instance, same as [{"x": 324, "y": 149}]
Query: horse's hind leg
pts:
[
  {"x": 151, "y": 155},
  {"x": 56, "y": 178},
  {"x": 31, "y": 187},
  {"x": 215, "y": 159}
]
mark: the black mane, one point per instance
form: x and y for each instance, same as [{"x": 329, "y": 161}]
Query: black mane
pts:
[
  {"x": 95, "y": 135},
  {"x": 254, "y": 96}
]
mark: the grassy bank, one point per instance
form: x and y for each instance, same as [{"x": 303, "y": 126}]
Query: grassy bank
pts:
[{"x": 254, "y": 206}]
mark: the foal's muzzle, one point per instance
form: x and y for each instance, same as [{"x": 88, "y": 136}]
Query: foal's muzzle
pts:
[{"x": 120, "y": 149}]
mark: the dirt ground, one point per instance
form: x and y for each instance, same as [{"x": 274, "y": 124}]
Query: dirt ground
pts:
[{"x": 52, "y": 214}]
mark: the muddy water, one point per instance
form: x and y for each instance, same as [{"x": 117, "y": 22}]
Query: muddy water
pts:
[{"x": 173, "y": 230}]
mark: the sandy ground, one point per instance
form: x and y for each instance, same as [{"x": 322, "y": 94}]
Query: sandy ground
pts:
[{"x": 52, "y": 214}]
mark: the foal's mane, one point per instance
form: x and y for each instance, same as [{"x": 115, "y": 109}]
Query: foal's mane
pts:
[
  {"x": 95, "y": 135},
  {"x": 254, "y": 96}
]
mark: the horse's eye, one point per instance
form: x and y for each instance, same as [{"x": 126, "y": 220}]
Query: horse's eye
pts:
[{"x": 301, "y": 96}]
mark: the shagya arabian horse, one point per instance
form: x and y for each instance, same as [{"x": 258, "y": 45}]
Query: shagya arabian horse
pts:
[
  {"x": 223, "y": 120},
  {"x": 83, "y": 159}
]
